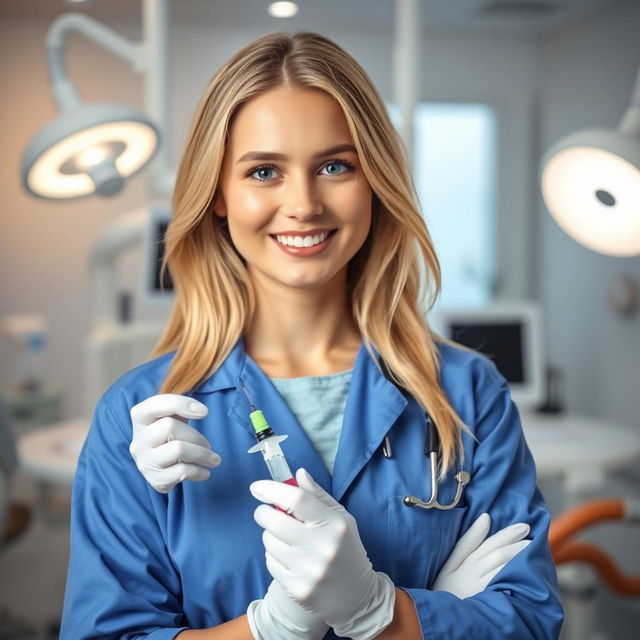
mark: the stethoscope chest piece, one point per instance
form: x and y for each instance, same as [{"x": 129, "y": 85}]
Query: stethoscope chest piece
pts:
[{"x": 462, "y": 479}]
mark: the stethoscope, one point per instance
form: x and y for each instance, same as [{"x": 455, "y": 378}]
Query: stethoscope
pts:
[{"x": 431, "y": 449}]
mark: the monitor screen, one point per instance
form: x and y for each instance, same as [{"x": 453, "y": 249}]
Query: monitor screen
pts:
[
  {"x": 502, "y": 342},
  {"x": 509, "y": 334},
  {"x": 157, "y": 224},
  {"x": 158, "y": 247}
]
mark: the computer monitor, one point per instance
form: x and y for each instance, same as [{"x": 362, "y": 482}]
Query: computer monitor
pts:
[
  {"x": 510, "y": 334},
  {"x": 153, "y": 248}
]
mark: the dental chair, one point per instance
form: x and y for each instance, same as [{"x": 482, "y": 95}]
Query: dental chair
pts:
[{"x": 580, "y": 588}]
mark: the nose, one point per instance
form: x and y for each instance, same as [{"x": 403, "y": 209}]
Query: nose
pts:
[{"x": 301, "y": 199}]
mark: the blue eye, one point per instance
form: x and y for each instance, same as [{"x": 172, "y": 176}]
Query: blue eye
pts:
[
  {"x": 265, "y": 168},
  {"x": 335, "y": 164},
  {"x": 269, "y": 167}
]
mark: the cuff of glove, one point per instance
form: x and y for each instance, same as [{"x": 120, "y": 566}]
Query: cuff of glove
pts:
[
  {"x": 266, "y": 626},
  {"x": 377, "y": 614}
]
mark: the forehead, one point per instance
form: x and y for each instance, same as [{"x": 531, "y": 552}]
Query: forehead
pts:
[{"x": 287, "y": 119}]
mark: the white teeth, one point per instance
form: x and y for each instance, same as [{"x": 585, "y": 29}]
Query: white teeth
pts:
[{"x": 302, "y": 241}]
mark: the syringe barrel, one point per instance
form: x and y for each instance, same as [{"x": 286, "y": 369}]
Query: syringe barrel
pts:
[{"x": 275, "y": 460}]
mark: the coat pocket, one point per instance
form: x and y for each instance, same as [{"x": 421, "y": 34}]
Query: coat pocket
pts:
[{"x": 418, "y": 542}]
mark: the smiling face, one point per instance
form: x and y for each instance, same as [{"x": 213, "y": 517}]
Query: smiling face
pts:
[{"x": 297, "y": 201}]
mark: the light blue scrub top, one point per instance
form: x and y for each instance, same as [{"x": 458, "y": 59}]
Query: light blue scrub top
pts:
[
  {"x": 148, "y": 565},
  {"x": 318, "y": 404}
]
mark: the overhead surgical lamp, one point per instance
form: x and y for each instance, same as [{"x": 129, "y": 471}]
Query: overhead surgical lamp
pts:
[
  {"x": 90, "y": 148},
  {"x": 591, "y": 184}
]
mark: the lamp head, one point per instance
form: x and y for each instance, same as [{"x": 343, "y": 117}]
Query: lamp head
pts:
[
  {"x": 591, "y": 186},
  {"x": 89, "y": 149}
]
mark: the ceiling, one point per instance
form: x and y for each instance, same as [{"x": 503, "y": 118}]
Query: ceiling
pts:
[{"x": 526, "y": 17}]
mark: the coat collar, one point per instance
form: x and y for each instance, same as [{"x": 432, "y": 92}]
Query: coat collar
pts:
[
  {"x": 373, "y": 405},
  {"x": 226, "y": 375}
]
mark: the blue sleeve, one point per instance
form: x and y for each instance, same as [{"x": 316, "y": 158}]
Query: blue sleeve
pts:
[
  {"x": 120, "y": 581},
  {"x": 522, "y": 600}
]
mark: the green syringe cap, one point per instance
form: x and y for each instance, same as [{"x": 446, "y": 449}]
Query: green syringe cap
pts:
[{"x": 258, "y": 421}]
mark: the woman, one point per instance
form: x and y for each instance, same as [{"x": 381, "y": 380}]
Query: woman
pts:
[{"x": 295, "y": 246}]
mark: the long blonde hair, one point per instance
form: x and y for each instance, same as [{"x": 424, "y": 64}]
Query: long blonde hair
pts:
[{"x": 214, "y": 301}]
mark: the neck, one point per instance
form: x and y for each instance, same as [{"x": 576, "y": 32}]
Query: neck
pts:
[{"x": 302, "y": 331}]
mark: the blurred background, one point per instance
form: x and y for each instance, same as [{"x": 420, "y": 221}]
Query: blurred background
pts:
[{"x": 522, "y": 122}]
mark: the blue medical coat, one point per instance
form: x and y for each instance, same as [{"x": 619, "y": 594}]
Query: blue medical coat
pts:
[{"x": 148, "y": 565}]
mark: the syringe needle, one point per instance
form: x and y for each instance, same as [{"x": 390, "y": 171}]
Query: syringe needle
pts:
[{"x": 246, "y": 393}]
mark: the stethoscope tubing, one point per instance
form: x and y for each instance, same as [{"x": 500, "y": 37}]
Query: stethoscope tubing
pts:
[{"x": 432, "y": 448}]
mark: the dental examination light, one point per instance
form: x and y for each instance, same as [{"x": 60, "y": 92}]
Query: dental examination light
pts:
[
  {"x": 591, "y": 184},
  {"x": 89, "y": 148}
]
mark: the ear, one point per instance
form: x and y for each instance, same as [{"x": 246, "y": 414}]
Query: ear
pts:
[{"x": 219, "y": 206}]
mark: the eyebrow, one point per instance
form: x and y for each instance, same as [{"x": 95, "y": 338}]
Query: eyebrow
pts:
[{"x": 272, "y": 155}]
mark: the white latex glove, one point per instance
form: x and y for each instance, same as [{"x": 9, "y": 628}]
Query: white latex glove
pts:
[
  {"x": 473, "y": 563},
  {"x": 166, "y": 449},
  {"x": 319, "y": 559},
  {"x": 278, "y": 617}
]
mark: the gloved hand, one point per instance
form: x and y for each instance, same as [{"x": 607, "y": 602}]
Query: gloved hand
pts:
[
  {"x": 278, "y": 617},
  {"x": 165, "y": 448},
  {"x": 473, "y": 563},
  {"x": 319, "y": 559}
]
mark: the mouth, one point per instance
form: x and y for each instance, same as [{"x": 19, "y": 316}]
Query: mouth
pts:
[{"x": 301, "y": 241}]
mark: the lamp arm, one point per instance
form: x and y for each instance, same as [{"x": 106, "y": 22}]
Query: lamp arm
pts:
[
  {"x": 407, "y": 42},
  {"x": 64, "y": 91},
  {"x": 157, "y": 98},
  {"x": 126, "y": 231},
  {"x": 630, "y": 122},
  {"x": 635, "y": 98}
]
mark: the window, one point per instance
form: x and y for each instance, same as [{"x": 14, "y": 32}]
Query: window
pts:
[{"x": 455, "y": 177}]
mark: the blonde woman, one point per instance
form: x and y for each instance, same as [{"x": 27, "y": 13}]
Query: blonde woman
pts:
[{"x": 295, "y": 248}]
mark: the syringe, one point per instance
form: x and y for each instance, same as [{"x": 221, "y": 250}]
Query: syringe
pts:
[{"x": 269, "y": 445}]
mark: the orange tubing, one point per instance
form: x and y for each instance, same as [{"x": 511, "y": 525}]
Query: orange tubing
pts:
[
  {"x": 578, "y": 518},
  {"x": 574, "y": 551},
  {"x": 565, "y": 550}
]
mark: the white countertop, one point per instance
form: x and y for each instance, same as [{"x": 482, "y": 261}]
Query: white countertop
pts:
[{"x": 580, "y": 448}]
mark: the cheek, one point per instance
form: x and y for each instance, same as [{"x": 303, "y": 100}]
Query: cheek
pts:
[
  {"x": 244, "y": 201},
  {"x": 248, "y": 211},
  {"x": 357, "y": 212}
]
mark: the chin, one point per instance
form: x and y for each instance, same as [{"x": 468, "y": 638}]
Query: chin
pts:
[
  {"x": 304, "y": 281},
  {"x": 301, "y": 283}
]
